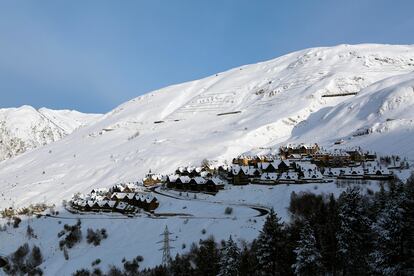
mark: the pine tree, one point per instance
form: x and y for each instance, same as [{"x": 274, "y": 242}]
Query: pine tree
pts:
[
  {"x": 271, "y": 247},
  {"x": 388, "y": 231},
  {"x": 326, "y": 234},
  {"x": 181, "y": 266},
  {"x": 308, "y": 257},
  {"x": 248, "y": 260},
  {"x": 207, "y": 258},
  {"x": 353, "y": 233},
  {"x": 408, "y": 232},
  {"x": 229, "y": 259}
]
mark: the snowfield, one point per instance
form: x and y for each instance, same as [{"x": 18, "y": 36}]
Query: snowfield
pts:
[{"x": 253, "y": 108}]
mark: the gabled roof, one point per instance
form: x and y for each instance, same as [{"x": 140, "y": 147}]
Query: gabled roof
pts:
[
  {"x": 289, "y": 176},
  {"x": 200, "y": 180},
  {"x": 354, "y": 171},
  {"x": 119, "y": 195},
  {"x": 173, "y": 177},
  {"x": 185, "y": 179},
  {"x": 312, "y": 175},
  {"x": 269, "y": 176}
]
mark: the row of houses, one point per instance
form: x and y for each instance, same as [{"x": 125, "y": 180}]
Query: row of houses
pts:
[
  {"x": 360, "y": 172},
  {"x": 278, "y": 171},
  {"x": 313, "y": 153},
  {"x": 294, "y": 164},
  {"x": 288, "y": 171},
  {"x": 194, "y": 184},
  {"x": 123, "y": 198}
]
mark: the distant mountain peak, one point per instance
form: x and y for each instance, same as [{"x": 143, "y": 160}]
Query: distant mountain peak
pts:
[{"x": 26, "y": 128}]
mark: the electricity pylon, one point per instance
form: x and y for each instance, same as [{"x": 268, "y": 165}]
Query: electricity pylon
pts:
[{"x": 166, "y": 248}]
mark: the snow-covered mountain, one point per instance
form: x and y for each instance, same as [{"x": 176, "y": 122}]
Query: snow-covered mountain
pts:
[
  {"x": 26, "y": 128},
  {"x": 381, "y": 118},
  {"x": 251, "y": 108}
]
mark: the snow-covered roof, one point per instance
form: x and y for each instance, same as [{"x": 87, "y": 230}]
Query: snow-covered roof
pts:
[
  {"x": 306, "y": 166},
  {"x": 289, "y": 176},
  {"x": 354, "y": 171},
  {"x": 312, "y": 175},
  {"x": 185, "y": 179},
  {"x": 378, "y": 170},
  {"x": 269, "y": 176},
  {"x": 200, "y": 180},
  {"x": 173, "y": 177},
  {"x": 119, "y": 195},
  {"x": 334, "y": 171}
]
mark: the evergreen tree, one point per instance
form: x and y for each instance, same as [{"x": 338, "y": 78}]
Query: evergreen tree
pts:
[
  {"x": 326, "y": 234},
  {"x": 353, "y": 233},
  {"x": 308, "y": 257},
  {"x": 207, "y": 258},
  {"x": 388, "y": 230},
  {"x": 181, "y": 266},
  {"x": 271, "y": 247},
  {"x": 35, "y": 258},
  {"x": 229, "y": 259},
  {"x": 408, "y": 232},
  {"x": 248, "y": 260}
]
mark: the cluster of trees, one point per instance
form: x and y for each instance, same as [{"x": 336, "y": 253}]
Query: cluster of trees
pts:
[
  {"x": 356, "y": 234},
  {"x": 95, "y": 237},
  {"x": 25, "y": 261},
  {"x": 130, "y": 268},
  {"x": 72, "y": 234}
]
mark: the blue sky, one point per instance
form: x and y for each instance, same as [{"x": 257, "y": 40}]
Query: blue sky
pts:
[{"x": 93, "y": 55}]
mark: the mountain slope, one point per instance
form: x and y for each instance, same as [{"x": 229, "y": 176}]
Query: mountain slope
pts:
[
  {"x": 252, "y": 107},
  {"x": 25, "y": 128},
  {"x": 381, "y": 117}
]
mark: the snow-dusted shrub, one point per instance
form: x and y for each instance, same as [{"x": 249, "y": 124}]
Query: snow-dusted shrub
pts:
[
  {"x": 82, "y": 272},
  {"x": 73, "y": 235},
  {"x": 65, "y": 254},
  {"x": 228, "y": 211},
  {"x": 114, "y": 271},
  {"x": 16, "y": 222},
  {"x": 131, "y": 267},
  {"x": 96, "y": 262},
  {"x": 30, "y": 232},
  {"x": 95, "y": 237},
  {"x": 97, "y": 272}
]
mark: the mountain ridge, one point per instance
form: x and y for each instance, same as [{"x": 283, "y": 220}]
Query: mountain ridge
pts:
[
  {"x": 25, "y": 128},
  {"x": 181, "y": 124}
]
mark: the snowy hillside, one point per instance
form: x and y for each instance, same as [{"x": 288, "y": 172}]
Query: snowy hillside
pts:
[
  {"x": 25, "y": 128},
  {"x": 381, "y": 117},
  {"x": 360, "y": 94},
  {"x": 254, "y": 107}
]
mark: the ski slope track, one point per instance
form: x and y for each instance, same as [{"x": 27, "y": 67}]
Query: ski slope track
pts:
[{"x": 260, "y": 106}]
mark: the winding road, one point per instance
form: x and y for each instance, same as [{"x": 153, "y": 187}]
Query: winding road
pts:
[{"x": 263, "y": 211}]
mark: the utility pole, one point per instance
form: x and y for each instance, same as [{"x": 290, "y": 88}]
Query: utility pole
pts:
[{"x": 166, "y": 248}]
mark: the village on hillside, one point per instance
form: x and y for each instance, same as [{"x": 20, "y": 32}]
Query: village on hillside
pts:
[{"x": 293, "y": 164}]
